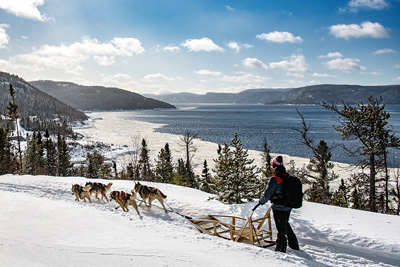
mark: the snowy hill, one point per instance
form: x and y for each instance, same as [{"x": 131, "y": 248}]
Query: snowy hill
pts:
[{"x": 42, "y": 225}]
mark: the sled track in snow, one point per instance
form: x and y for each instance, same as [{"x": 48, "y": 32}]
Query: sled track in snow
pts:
[{"x": 322, "y": 252}]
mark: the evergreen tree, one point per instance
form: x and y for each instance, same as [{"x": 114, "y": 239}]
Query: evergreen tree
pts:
[
  {"x": 368, "y": 124},
  {"x": 358, "y": 186},
  {"x": 164, "y": 170},
  {"x": 236, "y": 178},
  {"x": 51, "y": 155},
  {"x": 319, "y": 164},
  {"x": 205, "y": 183},
  {"x": 395, "y": 192},
  {"x": 266, "y": 169},
  {"x": 32, "y": 156},
  {"x": 178, "y": 177},
  {"x": 13, "y": 116},
  {"x": 64, "y": 158},
  {"x": 144, "y": 168},
  {"x": 96, "y": 166},
  {"x": 8, "y": 162},
  {"x": 339, "y": 197}
]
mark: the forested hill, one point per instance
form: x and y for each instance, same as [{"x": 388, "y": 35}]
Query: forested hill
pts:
[
  {"x": 98, "y": 97},
  {"x": 33, "y": 102},
  {"x": 316, "y": 94}
]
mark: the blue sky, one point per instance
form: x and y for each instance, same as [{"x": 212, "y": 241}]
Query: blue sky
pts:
[{"x": 160, "y": 46}]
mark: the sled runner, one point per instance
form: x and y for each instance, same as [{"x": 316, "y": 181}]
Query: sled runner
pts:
[{"x": 238, "y": 229}]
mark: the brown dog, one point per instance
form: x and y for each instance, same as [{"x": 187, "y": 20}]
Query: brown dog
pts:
[
  {"x": 99, "y": 188},
  {"x": 81, "y": 192},
  {"x": 150, "y": 193},
  {"x": 124, "y": 200}
]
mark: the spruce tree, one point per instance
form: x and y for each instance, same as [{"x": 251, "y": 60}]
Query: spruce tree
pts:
[
  {"x": 64, "y": 158},
  {"x": 32, "y": 156},
  {"x": 205, "y": 183},
  {"x": 266, "y": 169},
  {"x": 164, "y": 170},
  {"x": 368, "y": 124},
  {"x": 8, "y": 162},
  {"x": 178, "y": 177},
  {"x": 96, "y": 167},
  {"x": 13, "y": 116},
  {"x": 320, "y": 164},
  {"x": 51, "y": 155},
  {"x": 144, "y": 167},
  {"x": 236, "y": 178}
]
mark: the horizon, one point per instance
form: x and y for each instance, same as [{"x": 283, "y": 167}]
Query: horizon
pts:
[{"x": 164, "y": 47}]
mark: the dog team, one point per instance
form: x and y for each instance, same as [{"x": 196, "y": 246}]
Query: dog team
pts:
[{"x": 122, "y": 198}]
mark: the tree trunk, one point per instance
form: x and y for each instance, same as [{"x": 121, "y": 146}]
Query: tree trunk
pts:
[{"x": 372, "y": 189}]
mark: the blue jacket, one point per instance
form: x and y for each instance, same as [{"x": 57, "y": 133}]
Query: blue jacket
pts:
[{"x": 273, "y": 191}]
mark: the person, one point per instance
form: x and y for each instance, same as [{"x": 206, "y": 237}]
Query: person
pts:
[{"x": 281, "y": 213}]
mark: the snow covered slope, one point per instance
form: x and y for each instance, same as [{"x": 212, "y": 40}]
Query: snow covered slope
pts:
[{"x": 42, "y": 225}]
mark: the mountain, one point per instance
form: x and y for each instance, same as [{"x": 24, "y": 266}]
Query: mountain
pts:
[
  {"x": 303, "y": 95},
  {"x": 97, "y": 97},
  {"x": 351, "y": 94},
  {"x": 34, "y": 103},
  {"x": 255, "y": 96}
]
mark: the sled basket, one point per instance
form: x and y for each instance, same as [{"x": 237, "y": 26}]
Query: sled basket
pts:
[{"x": 238, "y": 229}]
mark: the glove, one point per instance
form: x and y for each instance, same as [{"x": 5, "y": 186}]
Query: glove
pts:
[{"x": 255, "y": 207}]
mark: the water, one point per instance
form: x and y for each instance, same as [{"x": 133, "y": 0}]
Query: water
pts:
[{"x": 253, "y": 123}]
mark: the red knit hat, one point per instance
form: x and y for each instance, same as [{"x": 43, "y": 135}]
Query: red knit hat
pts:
[{"x": 278, "y": 161}]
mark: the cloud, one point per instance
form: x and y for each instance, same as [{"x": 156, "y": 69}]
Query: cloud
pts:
[
  {"x": 385, "y": 51},
  {"x": 365, "y": 29},
  {"x": 204, "y": 44},
  {"x": 331, "y": 55},
  {"x": 229, "y": 8},
  {"x": 296, "y": 63},
  {"x": 158, "y": 77},
  {"x": 207, "y": 72},
  {"x": 122, "y": 76},
  {"x": 295, "y": 74},
  {"x": 355, "y": 5},
  {"x": 396, "y": 66},
  {"x": 104, "y": 60},
  {"x": 254, "y": 63},
  {"x": 280, "y": 37},
  {"x": 25, "y": 8},
  {"x": 236, "y": 46},
  {"x": 174, "y": 49},
  {"x": 323, "y": 75},
  {"x": 69, "y": 58},
  {"x": 344, "y": 64},
  {"x": 245, "y": 78},
  {"x": 4, "y": 38}
]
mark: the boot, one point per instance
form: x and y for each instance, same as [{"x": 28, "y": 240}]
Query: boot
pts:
[{"x": 280, "y": 248}]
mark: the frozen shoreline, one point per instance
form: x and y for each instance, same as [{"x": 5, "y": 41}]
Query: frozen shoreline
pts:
[{"x": 111, "y": 128}]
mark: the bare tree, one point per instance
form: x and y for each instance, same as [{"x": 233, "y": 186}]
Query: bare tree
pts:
[
  {"x": 187, "y": 141},
  {"x": 319, "y": 164}
]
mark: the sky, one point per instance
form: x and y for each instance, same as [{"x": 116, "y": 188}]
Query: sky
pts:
[{"x": 170, "y": 46}]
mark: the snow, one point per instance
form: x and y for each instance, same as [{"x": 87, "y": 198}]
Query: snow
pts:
[
  {"x": 114, "y": 128},
  {"x": 43, "y": 225}
]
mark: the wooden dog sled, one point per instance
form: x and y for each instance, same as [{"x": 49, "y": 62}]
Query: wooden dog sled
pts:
[{"x": 238, "y": 229}]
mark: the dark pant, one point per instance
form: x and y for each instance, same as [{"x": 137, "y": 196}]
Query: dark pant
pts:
[{"x": 285, "y": 232}]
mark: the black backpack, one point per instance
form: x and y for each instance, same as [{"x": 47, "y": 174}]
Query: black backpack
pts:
[{"x": 292, "y": 193}]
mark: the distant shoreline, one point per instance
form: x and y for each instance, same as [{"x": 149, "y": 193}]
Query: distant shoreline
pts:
[{"x": 110, "y": 128}]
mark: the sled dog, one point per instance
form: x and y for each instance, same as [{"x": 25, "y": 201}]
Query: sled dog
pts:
[
  {"x": 81, "y": 192},
  {"x": 99, "y": 188},
  {"x": 150, "y": 193},
  {"x": 124, "y": 200}
]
